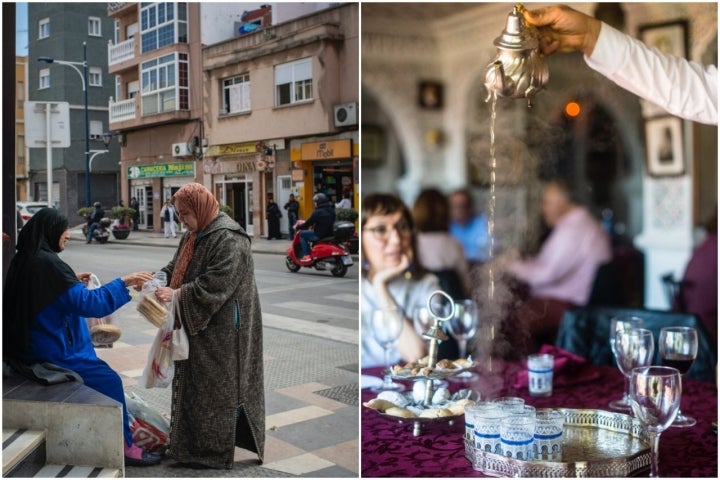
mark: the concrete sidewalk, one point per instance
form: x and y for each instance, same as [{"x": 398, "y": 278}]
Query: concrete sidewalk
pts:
[{"x": 156, "y": 239}]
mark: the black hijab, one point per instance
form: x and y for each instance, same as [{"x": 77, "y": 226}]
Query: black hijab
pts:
[{"x": 35, "y": 279}]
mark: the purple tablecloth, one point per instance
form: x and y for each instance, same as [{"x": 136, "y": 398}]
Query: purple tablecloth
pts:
[{"x": 390, "y": 450}]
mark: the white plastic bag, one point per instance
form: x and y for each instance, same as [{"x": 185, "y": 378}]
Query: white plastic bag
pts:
[
  {"x": 160, "y": 367},
  {"x": 149, "y": 307},
  {"x": 180, "y": 342},
  {"x": 102, "y": 332},
  {"x": 150, "y": 430}
]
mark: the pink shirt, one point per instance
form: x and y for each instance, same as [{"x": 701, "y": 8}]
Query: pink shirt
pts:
[{"x": 567, "y": 263}]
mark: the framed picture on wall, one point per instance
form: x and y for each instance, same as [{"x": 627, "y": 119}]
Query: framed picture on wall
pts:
[
  {"x": 670, "y": 38},
  {"x": 664, "y": 146},
  {"x": 430, "y": 95}
]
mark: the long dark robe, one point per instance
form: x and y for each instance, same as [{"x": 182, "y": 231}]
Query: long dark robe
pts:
[{"x": 218, "y": 399}]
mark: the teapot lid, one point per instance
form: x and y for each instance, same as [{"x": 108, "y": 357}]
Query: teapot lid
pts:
[{"x": 516, "y": 35}]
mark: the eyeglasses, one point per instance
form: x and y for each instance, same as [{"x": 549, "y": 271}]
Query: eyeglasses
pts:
[{"x": 382, "y": 232}]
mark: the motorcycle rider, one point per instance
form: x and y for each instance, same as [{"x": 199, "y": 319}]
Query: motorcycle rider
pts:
[
  {"x": 94, "y": 221},
  {"x": 322, "y": 221}
]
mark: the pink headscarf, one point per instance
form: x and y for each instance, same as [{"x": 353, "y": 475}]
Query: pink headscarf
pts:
[{"x": 199, "y": 200}]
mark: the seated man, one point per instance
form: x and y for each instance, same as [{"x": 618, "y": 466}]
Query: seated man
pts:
[
  {"x": 469, "y": 228},
  {"x": 562, "y": 273},
  {"x": 322, "y": 221},
  {"x": 94, "y": 221}
]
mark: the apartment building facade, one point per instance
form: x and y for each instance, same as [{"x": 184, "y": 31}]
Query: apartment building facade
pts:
[
  {"x": 58, "y": 31},
  {"x": 21, "y": 158},
  {"x": 281, "y": 114}
]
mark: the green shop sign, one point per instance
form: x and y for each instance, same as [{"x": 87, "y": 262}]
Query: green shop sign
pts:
[{"x": 178, "y": 169}]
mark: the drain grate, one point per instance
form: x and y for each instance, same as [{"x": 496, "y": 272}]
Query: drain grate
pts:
[{"x": 347, "y": 394}]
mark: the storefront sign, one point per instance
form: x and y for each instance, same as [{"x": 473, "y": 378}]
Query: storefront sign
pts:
[
  {"x": 178, "y": 169},
  {"x": 231, "y": 149},
  {"x": 333, "y": 149},
  {"x": 297, "y": 175}
]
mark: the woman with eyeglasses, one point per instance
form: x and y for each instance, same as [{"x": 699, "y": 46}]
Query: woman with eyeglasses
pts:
[{"x": 392, "y": 276}]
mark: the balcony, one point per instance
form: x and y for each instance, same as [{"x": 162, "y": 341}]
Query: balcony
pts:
[
  {"x": 121, "y": 52},
  {"x": 122, "y": 111}
]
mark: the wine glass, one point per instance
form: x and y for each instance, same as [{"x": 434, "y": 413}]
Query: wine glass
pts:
[
  {"x": 678, "y": 348},
  {"x": 622, "y": 323},
  {"x": 463, "y": 326},
  {"x": 655, "y": 400},
  {"x": 634, "y": 348},
  {"x": 422, "y": 319},
  {"x": 387, "y": 324}
]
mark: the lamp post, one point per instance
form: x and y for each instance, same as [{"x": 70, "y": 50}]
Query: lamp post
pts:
[{"x": 83, "y": 78}]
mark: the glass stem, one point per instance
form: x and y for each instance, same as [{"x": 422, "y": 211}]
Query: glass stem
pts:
[
  {"x": 387, "y": 379},
  {"x": 626, "y": 395},
  {"x": 654, "y": 444},
  {"x": 462, "y": 345}
]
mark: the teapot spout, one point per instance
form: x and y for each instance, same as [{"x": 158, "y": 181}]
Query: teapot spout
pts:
[{"x": 495, "y": 80}]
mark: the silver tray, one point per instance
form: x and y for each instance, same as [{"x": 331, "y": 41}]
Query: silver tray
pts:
[
  {"x": 418, "y": 422},
  {"x": 436, "y": 375},
  {"x": 596, "y": 443}
]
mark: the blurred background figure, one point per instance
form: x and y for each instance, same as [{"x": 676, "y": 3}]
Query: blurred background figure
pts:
[
  {"x": 393, "y": 278},
  {"x": 561, "y": 275},
  {"x": 293, "y": 207},
  {"x": 469, "y": 228},
  {"x": 345, "y": 202},
  {"x": 437, "y": 250}
]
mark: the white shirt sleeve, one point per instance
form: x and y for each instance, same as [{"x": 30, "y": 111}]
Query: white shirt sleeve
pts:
[{"x": 683, "y": 88}]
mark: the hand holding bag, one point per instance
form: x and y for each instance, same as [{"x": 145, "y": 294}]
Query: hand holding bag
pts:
[{"x": 101, "y": 330}]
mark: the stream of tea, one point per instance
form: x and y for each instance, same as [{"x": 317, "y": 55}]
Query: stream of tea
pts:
[{"x": 491, "y": 224}]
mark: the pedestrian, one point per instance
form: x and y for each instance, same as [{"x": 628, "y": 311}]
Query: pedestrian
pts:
[
  {"x": 94, "y": 220},
  {"x": 683, "y": 88},
  {"x": 135, "y": 205},
  {"x": 167, "y": 212},
  {"x": 45, "y": 321},
  {"x": 293, "y": 208},
  {"x": 345, "y": 202},
  {"x": 273, "y": 215},
  {"x": 217, "y": 393}
]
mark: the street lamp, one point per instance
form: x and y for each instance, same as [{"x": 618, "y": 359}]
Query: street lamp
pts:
[{"x": 83, "y": 78}]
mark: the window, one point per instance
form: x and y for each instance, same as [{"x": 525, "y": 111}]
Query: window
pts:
[
  {"x": 133, "y": 88},
  {"x": 94, "y": 27},
  {"x": 293, "y": 82},
  {"x": 95, "y": 129},
  {"x": 131, "y": 30},
  {"x": 95, "y": 76},
  {"x": 20, "y": 152},
  {"x": 165, "y": 84},
  {"x": 43, "y": 28},
  {"x": 44, "y": 78},
  {"x": 20, "y": 94},
  {"x": 161, "y": 24},
  {"x": 236, "y": 94},
  {"x": 116, "y": 32}
]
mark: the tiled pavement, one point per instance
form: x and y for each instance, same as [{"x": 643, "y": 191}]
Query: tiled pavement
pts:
[{"x": 311, "y": 394}]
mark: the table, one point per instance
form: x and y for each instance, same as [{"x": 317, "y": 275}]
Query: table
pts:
[{"x": 390, "y": 450}]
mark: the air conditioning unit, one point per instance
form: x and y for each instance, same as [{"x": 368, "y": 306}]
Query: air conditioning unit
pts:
[
  {"x": 346, "y": 114},
  {"x": 180, "y": 150}
]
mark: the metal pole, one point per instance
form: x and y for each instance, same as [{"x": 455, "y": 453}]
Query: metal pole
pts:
[
  {"x": 48, "y": 153},
  {"x": 88, "y": 195}
]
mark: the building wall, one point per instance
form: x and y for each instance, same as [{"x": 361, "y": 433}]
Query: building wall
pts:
[
  {"x": 68, "y": 31},
  {"x": 21, "y": 151}
]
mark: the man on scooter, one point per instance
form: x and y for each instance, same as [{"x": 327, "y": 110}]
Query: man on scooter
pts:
[
  {"x": 94, "y": 221},
  {"x": 322, "y": 221}
]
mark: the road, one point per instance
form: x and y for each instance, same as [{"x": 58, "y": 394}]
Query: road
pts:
[{"x": 310, "y": 348}]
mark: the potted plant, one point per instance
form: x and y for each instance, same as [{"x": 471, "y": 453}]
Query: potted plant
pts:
[{"x": 121, "y": 230}]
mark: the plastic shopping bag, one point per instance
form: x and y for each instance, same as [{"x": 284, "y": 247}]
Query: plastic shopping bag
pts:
[
  {"x": 180, "y": 342},
  {"x": 160, "y": 368},
  {"x": 149, "y": 306},
  {"x": 102, "y": 332},
  {"x": 150, "y": 430}
]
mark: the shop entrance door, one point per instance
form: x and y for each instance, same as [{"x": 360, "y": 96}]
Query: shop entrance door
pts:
[
  {"x": 143, "y": 193},
  {"x": 238, "y": 195}
]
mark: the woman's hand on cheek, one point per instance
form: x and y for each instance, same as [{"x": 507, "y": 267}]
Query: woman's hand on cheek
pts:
[{"x": 388, "y": 274}]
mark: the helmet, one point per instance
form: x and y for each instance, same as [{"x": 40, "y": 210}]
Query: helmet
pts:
[
  {"x": 97, "y": 205},
  {"x": 320, "y": 198}
]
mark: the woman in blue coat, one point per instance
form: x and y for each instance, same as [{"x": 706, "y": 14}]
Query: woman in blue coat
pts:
[{"x": 44, "y": 308}]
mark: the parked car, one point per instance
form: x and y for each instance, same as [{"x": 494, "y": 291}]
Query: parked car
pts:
[{"x": 28, "y": 209}]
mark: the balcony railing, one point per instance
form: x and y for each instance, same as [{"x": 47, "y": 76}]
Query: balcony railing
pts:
[
  {"x": 122, "y": 110},
  {"x": 121, "y": 52}
]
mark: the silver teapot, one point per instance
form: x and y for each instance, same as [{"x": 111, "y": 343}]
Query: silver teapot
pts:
[{"x": 519, "y": 69}]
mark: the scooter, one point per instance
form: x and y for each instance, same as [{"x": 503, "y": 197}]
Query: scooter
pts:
[
  {"x": 328, "y": 253},
  {"x": 102, "y": 232}
]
